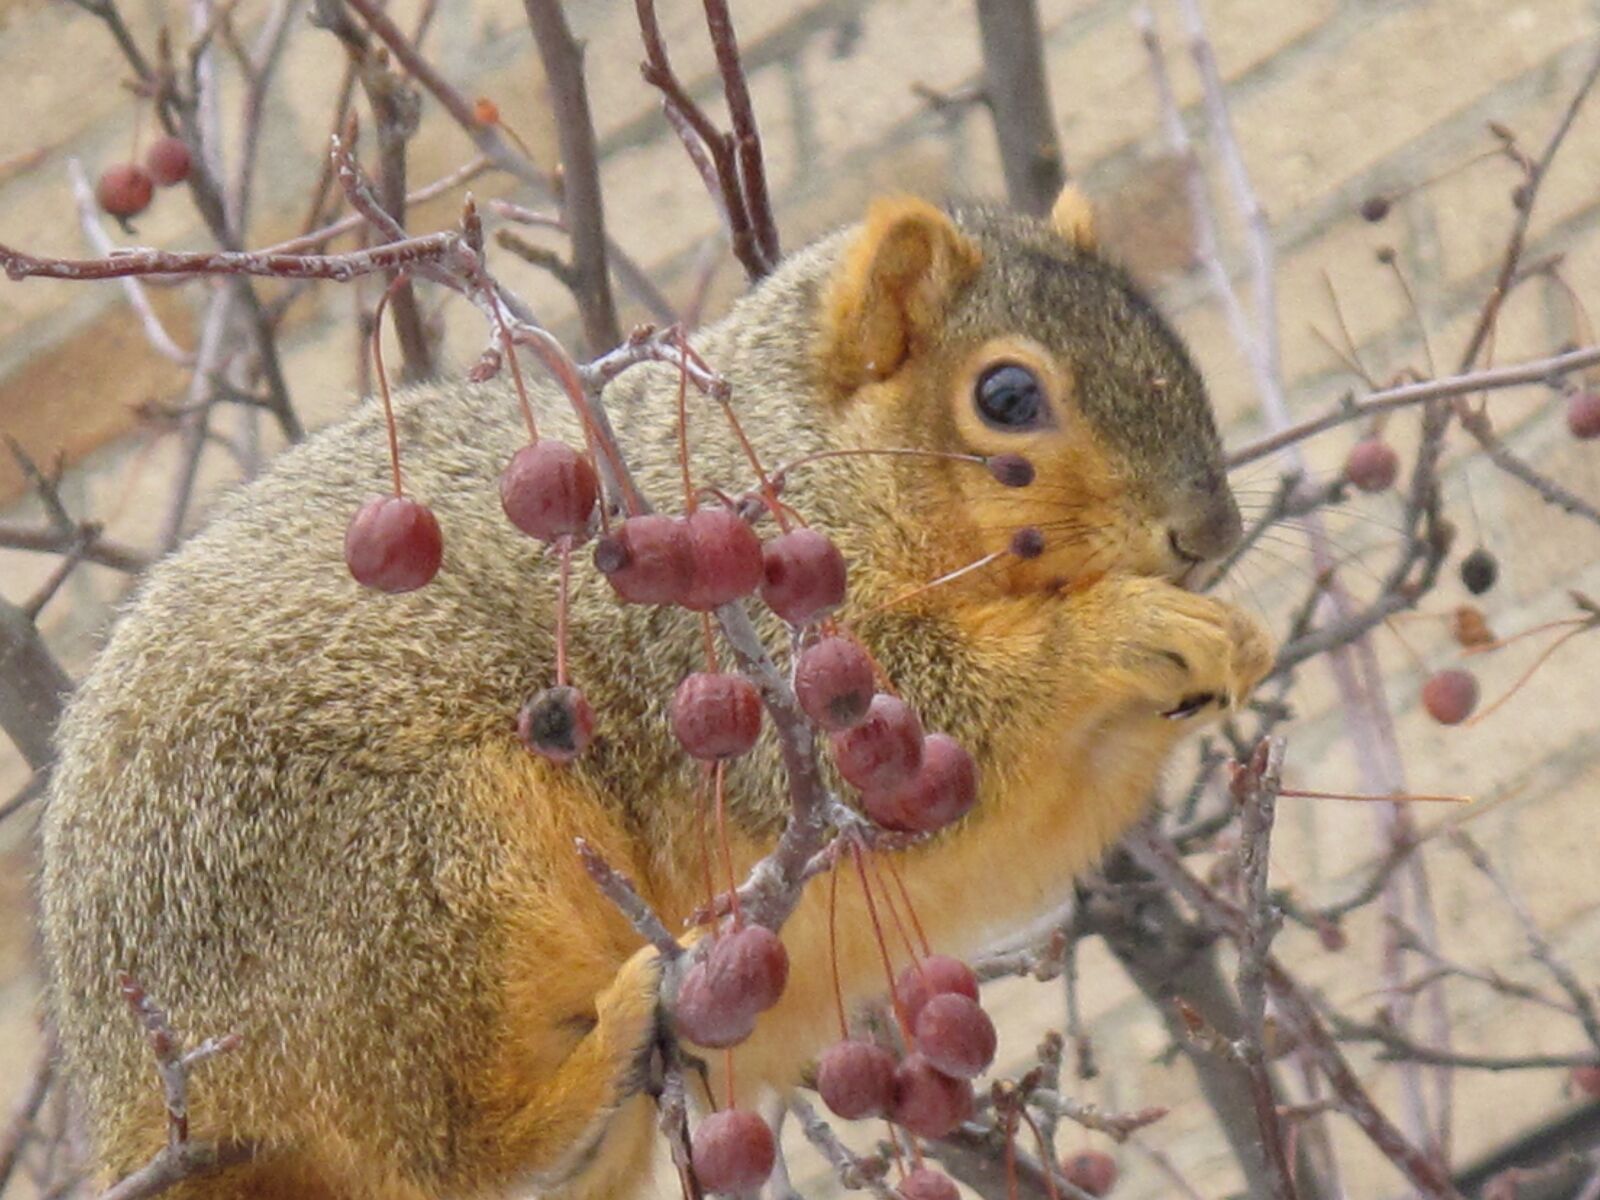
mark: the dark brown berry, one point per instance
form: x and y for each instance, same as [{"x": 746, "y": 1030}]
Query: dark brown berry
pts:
[
  {"x": 856, "y": 1080},
  {"x": 393, "y": 544},
  {"x": 732, "y": 1151},
  {"x": 124, "y": 189},
  {"x": 549, "y": 490},
  {"x": 956, "y": 1035},
  {"x": 833, "y": 682},
  {"x": 1375, "y": 208},
  {"x": 1450, "y": 696},
  {"x": 927, "y": 1184},
  {"x": 1091, "y": 1171},
  {"x": 1583, "y": 414},
  {"x": 716, "y": 714},
  {"x": 803, "y": 576},
  {"x": 1479, "y": 570},
  {"x": 943, "y": 790},
  {"x": 936, "y": 975},
  {"x": 884, "y": 750},
  {"x": 168, "y": 160},
  {"x": 1011, "y": 470},
  {"x": 927, "y": 1102},
  {"x": 727, "y": 558},
  {"x": 1372, "y": 465},
  {"x": 747, "y": 969},
  {"x": 648, "y": 560},
  {"x": 558, "y": 723},
  {"x": 701, "y": 1019}
]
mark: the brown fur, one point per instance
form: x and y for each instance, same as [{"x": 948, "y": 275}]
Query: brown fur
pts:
[{"x": 297, "y": 810}]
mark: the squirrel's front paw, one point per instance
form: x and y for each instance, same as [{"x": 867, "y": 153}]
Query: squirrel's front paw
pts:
[
  {"x": 1196, "y": 653},
  {"x": 628, "y": 1018}
]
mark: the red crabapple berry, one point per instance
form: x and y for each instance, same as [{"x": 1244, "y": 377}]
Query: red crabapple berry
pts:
[
  {"x": 549, "y": 490},
  {"x": 1091, "y": 1171},
  {"x": 747, "y": 970},
  {"x": 884, "y": 750},
  {"x": 1583, "y": 414},
  {"x": 1010, "y": 470},
  {"x": 803, "y": 575},
  {"x": 716, "y": 714},
  {"x": 648, "y": 560},
  {"x": 1587, "y": 1079},
  {"x": 393, "y": 544},
  {"x": 727, "y": 558},
  {"x": 856, "y": 1080},
  {"x": 732, "y": 1151},
  {"x": 956, "y": 1035},
  {"x": 927, "y": 1184},
  {"x": 943, "y": 790},
  {"x": 558, "y": 723},
  {"x": 927, "y": 1102},
  {"x": 936, "y": 975},
  {"x": 705, "y": 1022},
  {"x": 833, "y": 682},
  {"x": 168, "y": 160},
  {"x": 1372, "y": 465},
  {"x": 124, "y": 190},
  {"x": 1450, "y": 696}
]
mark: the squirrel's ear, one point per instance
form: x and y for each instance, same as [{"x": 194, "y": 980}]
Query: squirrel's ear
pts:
[
  {"x": 1073, "y": 218},
  {"x": 892, "y": 289}
]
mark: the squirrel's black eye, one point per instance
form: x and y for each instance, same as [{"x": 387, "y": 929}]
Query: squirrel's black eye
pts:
[{"x": 1010, "y": 397}]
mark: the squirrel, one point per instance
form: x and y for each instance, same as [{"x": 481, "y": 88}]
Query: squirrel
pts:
[{"x": 298, "y": 810}]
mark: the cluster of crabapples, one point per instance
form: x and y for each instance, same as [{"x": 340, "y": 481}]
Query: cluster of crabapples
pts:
[
  {"x": 908, "y": 780},
  {"x": 125, "y": 189}
]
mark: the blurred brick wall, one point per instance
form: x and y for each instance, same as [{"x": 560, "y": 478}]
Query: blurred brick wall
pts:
[{"x": 1334, "y": 100}]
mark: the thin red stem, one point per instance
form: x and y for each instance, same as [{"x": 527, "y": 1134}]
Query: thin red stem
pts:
[
  {"x": 883, "y": 946},
  {"x": 894, "y": 912},
  {"x": 894, "y": 873},
  {"x": 383, "y": 379},
  {"x": 564, "y": 548},
  {"x": 510, "y": 348},
  {"x": 689, "y": 501},
  {"x": 833, "y": 949},
  {"x": 727, "y": 847}
]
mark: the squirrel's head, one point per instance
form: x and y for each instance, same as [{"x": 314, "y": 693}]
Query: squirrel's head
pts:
[{"x": 987, "y": 333}]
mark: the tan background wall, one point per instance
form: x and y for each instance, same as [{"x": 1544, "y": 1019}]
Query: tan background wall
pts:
[{"x": 1334, "y": 100}]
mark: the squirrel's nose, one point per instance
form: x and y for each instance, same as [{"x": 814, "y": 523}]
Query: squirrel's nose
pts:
[{"x": 1205, "y": 529}]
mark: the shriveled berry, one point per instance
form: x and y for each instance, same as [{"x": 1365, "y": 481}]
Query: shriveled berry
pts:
[
  {"x": 727, "y": 558},
  {"x": 1479, "y": 570},
  {"x": 803, "y": 575},
  {"x": 648, "y": 560},
  {"x": 856, "y": 1080},
  {"x": 833, "y": 682},
  {"x": 716, "y": 714},
  {"x": 1372, "y": 465},
  {"x": 747, "y": 969},
  {"x": 701, "y": 1019},
  {"x": 549, "y": 490},
  {"x": 1011, "y": 470},
  {"x": 936, "y": 975},
  {"x": 927, "y": 1184},
  {"x": 732, "y": 1151},
  {"x": 1450, "y": 696},
  {"x": 558, "y": 723},
  {"x": 956, "y": 1035},
  {"x": 1587, "y": 1079},
  {"x": 928, "y": 1102},
  {"x": 884, "y": 750},
  {"x": 1091, "y": 1171},
  {"x": 393, "y": 544},
  {"x": 124, "y": 189},
  {"x": 1375, "y": 208},
  {"x": 943, "y": 790},
  {"x": 1027, "y": 542},
  {"x": 1583, "y": 414},
  {"x": 168, "y": 160}
]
